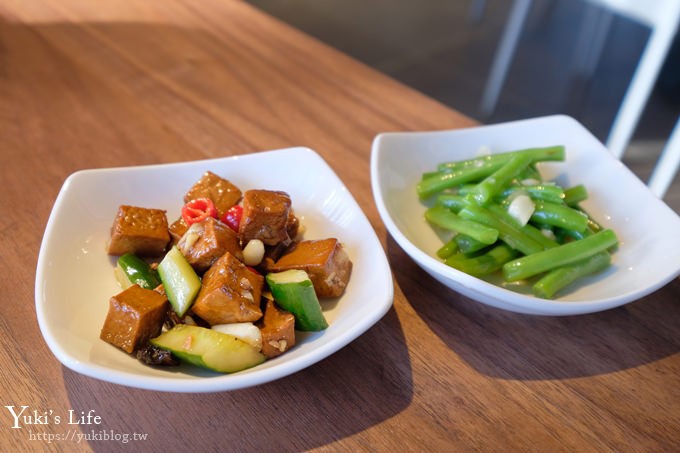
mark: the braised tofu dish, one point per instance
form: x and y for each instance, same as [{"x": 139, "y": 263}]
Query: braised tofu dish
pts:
[{"x": 226, "y": 285}]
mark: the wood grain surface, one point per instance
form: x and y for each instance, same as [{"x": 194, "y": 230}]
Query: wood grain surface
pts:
[{"x": 88, "y": 84}]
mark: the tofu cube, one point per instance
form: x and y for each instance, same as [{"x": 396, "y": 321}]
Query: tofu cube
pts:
[
  {"x": 266, "y": 214},
  {"x": 278, "y": 330},
  {"x": 230, "y": 293},
  {"x": 324, "y": 260},
  {"x": 177, "y": 230},
  {"x": 205, "y": 242},
  {"x": 140, "y": 231},
  {"x": 221, "y": 191},
  {"x": 135, "y": 316}
]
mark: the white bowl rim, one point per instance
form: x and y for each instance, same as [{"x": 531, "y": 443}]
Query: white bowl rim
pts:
[
  {"x": 218, "y": 382},
  {"x": 511, "y": 300}
]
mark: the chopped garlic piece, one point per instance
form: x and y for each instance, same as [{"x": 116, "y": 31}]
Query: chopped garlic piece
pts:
[
  {"x": 253, "y": 252},
  {"x": 521, "y": 208}
]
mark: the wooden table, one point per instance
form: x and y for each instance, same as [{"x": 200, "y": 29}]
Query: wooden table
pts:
[{"x": 115, "y": 83}]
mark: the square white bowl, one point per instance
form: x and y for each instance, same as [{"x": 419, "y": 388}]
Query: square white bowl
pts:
[
  {"x": 648, "y": 256},
  {"x": 75, "y": 279}
]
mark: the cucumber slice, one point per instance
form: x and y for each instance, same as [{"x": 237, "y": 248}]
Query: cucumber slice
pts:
[
  {"x": 209, "y": 348},
  {"x": 179, "y": 280},
  {"x": 293, "y": 291},
  {"x": 132, "y": 270}
]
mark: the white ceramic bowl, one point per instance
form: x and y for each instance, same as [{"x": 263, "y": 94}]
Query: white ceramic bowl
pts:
[
  {"x": 648, "y": 230},
  {"x": 75, "y": 279}
]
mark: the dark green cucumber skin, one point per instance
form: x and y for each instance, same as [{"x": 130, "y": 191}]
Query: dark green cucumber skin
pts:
[
  {"x": 300, "y": 299},
  {"x": 138, "y": 271}
]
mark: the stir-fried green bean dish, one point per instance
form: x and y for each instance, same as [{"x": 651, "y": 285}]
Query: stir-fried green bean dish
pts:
[{"x": 505, "y": 219}]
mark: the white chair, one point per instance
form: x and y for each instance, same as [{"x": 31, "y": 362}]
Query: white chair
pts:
[
  {"x": 662, "y": 16},
  {"x": 667, "y": 166}
]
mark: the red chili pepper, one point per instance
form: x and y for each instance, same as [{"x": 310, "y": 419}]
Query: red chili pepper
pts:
[
  {"x": 233, "y": 217},
  {"x": 198, "y": 210}
]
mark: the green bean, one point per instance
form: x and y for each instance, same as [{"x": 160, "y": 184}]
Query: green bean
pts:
[
  {"x": 561, "y": 277},
  {"x": 451, "y": 174},
  {"x": 508, "y": 232},
  {"x": 548, "y": 259},
  {"x": 553, "y": 153},
  {"x": 559, "y": 215},
  {"x": 472, "y": 200},
  {"x": 448, "y": 249},
  {"x": 430, "y": 174},
  {"x": 451, "y": 178},
  {"x": 466, "y": 244},
  {"x": 592, "y": 224},
  {"x": 465, "y": 189},
  {"x": 451, "y": 201},
  {"x": 529, "y": 173},
  {"x": 474, "y": 162},
  {"x": 444, "y": 218},
  {"x": 563, "y": 234},
  {"x": 537, "y": 235},
  {"x": 494, "y": 184},
  {"x": 529, "y": 230},
  {"x": 543, "y": 192},
  {"x": 575, "y": 195},
  {"x": 484, "y": 264}
]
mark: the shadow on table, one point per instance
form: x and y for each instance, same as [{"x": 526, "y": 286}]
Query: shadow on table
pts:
[
  {"x": 346, "y": 393},
  {"x": 508, "y": 345}
]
